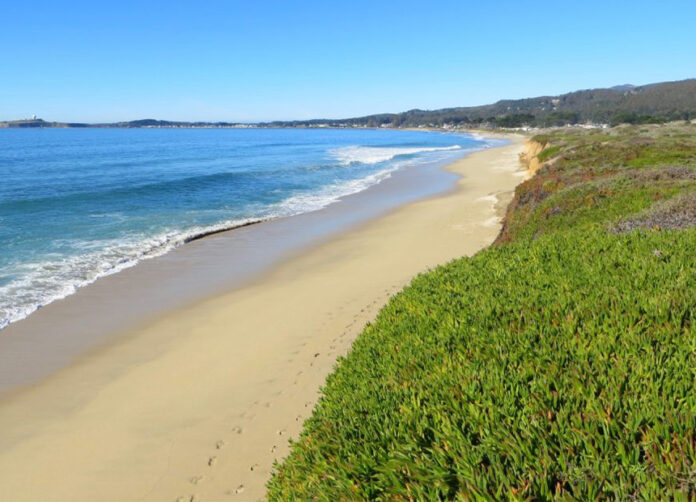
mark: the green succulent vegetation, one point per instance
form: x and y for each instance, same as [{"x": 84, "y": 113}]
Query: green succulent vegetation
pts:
[{"x": 559, "y": 363}]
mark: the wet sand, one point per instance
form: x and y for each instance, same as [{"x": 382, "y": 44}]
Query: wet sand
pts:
[
  {"x": 63, "y": 331},
  {"x": 201, "y": 399}
]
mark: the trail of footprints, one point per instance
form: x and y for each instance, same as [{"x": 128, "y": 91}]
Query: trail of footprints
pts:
[
  {"x": 212, "y": 461},
  {"x": 219, "y": 445}
]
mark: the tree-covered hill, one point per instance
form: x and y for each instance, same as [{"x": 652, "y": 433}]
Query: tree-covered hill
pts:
[{"x": 661, "y": 102}]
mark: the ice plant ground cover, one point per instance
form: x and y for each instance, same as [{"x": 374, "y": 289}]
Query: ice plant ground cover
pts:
[{"x": 560, "y": 363}]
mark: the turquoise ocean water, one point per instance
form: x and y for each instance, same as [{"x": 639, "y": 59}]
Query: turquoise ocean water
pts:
[{"x": 79, "y": 204}]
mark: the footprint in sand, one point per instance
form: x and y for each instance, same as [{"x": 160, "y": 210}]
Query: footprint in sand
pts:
[
  {"x": 274, "y": 448},
  {"x": 196, "y": 479},
  {"x": 220, "y": 445},
  {"x": 237, "y": 430},
  {"x": 212, "y": 461},
  {"x": 239, "y": 489},
  {"x": 280, "y": 432},
  {"x": 253, "y": 467}
]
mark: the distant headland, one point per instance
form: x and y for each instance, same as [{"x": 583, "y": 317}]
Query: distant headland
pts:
[
  {"x": 143, "y": 123},
  {"x": 653, "y": 103}
]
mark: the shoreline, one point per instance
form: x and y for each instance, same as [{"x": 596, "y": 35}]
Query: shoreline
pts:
[
  {"x": 97, "y": 314},
  {"x": 34, "y": 281},
  {"x": 201, "y": 400}
]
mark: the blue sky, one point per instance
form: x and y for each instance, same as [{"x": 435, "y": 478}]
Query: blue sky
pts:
[{"x": 263, "y": 60}]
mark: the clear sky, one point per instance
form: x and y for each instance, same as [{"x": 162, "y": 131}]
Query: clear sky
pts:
[{"x": 262, "y": 60}]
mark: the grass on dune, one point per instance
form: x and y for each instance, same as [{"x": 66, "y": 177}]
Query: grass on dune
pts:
[{"x": 558, "y": 364}]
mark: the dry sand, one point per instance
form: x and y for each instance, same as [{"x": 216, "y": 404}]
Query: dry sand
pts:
[{"x": 198, "y": 404}]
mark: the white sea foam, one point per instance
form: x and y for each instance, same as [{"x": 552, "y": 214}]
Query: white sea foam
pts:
[
  {"x": 308, "y": 202},
  {"x": 44, "y": 282},
  {"x": 57, "y": 277},
  {"x": 372, "y": 154}
]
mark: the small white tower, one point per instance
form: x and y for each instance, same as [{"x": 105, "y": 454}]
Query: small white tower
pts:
[{"x": 33, "y": 117}]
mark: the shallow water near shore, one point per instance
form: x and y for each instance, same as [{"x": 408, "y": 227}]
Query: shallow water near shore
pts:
[
  {"x": 77, "y": 205},
  {"x": 58, "y": 333}
]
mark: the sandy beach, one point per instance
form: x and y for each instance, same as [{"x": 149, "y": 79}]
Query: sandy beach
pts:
[{"x": 197, "y": 404}]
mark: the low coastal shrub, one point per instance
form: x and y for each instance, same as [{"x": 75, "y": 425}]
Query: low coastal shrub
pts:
[
  {"x": 558, "y": 364},
  {"x": 548, "y": 153},
  {"x": 542, "y": 139},
  {"x": 676, "y": 213}
]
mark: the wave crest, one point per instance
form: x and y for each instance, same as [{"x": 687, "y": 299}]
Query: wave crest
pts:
[
  {"x": 59, "y": 278},
  {"x": 375, "y": 154}
]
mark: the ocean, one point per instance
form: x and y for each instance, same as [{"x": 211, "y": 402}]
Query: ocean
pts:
[{"x": 79, "y": 204}]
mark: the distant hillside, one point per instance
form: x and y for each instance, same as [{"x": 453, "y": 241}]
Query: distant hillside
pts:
[
  {"x": 168, "y": 123},
  {"x": 26, "y": 123},
  {"x": 131, "y": 124},
  {"x": 652, "y": 103}
]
